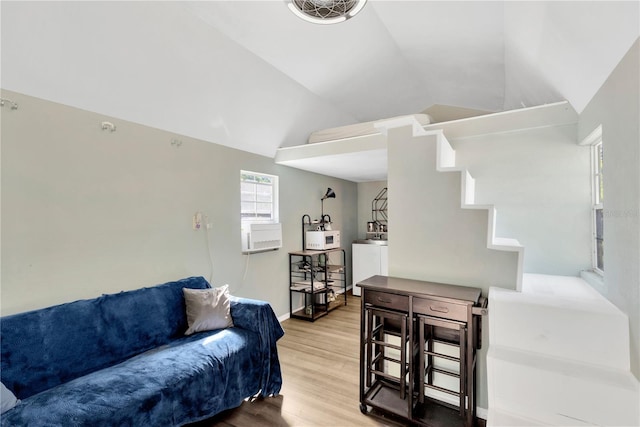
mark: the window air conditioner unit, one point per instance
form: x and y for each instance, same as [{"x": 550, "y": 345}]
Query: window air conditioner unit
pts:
[{"x": 261, "y": 237}]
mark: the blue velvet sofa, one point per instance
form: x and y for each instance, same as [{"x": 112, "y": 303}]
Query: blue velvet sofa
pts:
[{"x": 123, "y": 360}]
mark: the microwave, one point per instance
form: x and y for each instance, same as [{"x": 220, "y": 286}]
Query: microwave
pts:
[{"x": 322, "y": 240}]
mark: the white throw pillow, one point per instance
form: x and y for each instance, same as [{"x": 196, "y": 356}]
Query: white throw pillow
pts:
[
  {"x": 207, "y": 309},
  {"x": 7, "y": 399}
]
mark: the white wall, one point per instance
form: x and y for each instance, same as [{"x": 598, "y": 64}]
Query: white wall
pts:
[
  {"x": 539, "y": 181},
  {"x": 616, "y": 107},
  {"x": 158, "y": 64},
  {"x": 86, "y": 211}
]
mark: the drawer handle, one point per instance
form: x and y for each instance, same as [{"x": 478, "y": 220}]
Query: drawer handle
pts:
[
  {"x": 440, "y": 309},
  {"x": 380, "y": 299}
]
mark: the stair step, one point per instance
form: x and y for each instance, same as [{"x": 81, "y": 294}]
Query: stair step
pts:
[
  {"x": 554, "y": 391},
  {"x": 559, "y": 355},
  {"x": 503, "y": 418},
  {"x": 574, "y": 322},
  {"x": 506, "y": 242},
  {"x": 562, "y": 287}
]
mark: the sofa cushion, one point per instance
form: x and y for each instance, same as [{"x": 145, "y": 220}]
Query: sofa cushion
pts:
[
  {"x": 184, "y": 381},
  {"x": 84, "y": 336},
  {"x": 207, "y": 309},
  {"x": 7, "y": 399}
]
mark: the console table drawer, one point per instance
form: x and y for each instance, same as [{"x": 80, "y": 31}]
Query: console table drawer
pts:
[
  {"x": 446, "y": 310},
  {"x": 387, "y": 300}
]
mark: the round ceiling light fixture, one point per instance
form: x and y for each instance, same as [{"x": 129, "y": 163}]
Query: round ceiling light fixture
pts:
[{"x": 326, "y": 11}]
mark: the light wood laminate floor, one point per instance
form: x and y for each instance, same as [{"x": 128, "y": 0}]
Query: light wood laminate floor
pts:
[{"x": 320, "y": 371}]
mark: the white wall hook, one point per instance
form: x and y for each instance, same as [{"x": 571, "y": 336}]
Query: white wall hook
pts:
[
  {"x": 108, "y": 126},
  {"x": 14, "y": 105}
]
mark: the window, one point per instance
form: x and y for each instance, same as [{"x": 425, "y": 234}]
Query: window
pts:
[
  {"x": 597, "y": 192},
  {"x": 598, "y": 213},
  {"x": 258, "y": 197}
]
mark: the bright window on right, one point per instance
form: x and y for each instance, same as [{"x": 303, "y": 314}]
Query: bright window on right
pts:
[{"x": 597, "y": 161}]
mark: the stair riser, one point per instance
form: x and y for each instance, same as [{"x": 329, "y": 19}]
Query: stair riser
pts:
[{"x": 557, "y": 398}]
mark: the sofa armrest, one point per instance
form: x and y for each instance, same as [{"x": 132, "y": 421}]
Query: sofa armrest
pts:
[{"x": 258, "y": 316}]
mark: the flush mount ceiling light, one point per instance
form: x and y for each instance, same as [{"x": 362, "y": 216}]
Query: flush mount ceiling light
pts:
[{"x": 326, "y": 11}]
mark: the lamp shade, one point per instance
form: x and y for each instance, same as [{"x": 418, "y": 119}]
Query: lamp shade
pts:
[{"x": 330, "y": 194}]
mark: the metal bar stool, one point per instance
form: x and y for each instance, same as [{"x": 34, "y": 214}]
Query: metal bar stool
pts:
[
  {"x": 381, "y": 322},
  {"x": 432, "y": 330}
]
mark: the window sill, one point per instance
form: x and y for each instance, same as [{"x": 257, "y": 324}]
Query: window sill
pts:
[{"x": 595, "y": 279}]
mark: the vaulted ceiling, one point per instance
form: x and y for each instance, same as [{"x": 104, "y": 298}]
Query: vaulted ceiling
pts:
[{"x": 251, "y": 75}]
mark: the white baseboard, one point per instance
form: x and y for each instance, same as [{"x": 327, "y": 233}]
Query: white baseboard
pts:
[
  {"x": 284, "y": 317},
  {"x": 482, "y": 413}
]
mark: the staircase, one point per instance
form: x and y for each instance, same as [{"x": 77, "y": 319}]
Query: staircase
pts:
[
  {"x": 559, "y": 356},
  {"x": 446, "y": 162},
  {"x": 559, "y": 352}
]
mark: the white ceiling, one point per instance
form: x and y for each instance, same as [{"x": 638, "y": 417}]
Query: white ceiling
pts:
[{"x": 251, "y": 75}]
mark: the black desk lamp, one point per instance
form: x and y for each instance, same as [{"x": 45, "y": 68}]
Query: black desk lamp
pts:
[{"x": 330, "y": 194}]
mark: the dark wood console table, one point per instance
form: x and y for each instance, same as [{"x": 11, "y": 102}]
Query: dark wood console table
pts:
[{"x": 404, "y": 324}]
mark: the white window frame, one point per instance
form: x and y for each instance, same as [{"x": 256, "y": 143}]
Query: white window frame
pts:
[
  {"x": 269, "y": 181},
  {"x": 594, "y": 140}
]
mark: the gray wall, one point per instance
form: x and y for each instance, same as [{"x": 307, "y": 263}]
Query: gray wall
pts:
[
  {"x": 616, "y": 107},
  {"x": 431, "y": 238},
  {"x": 87, "y": 211},
  {"x": 539, "y": 181}
]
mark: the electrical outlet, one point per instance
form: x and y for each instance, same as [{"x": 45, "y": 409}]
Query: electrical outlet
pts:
[{"x": 197, "y": 221}]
